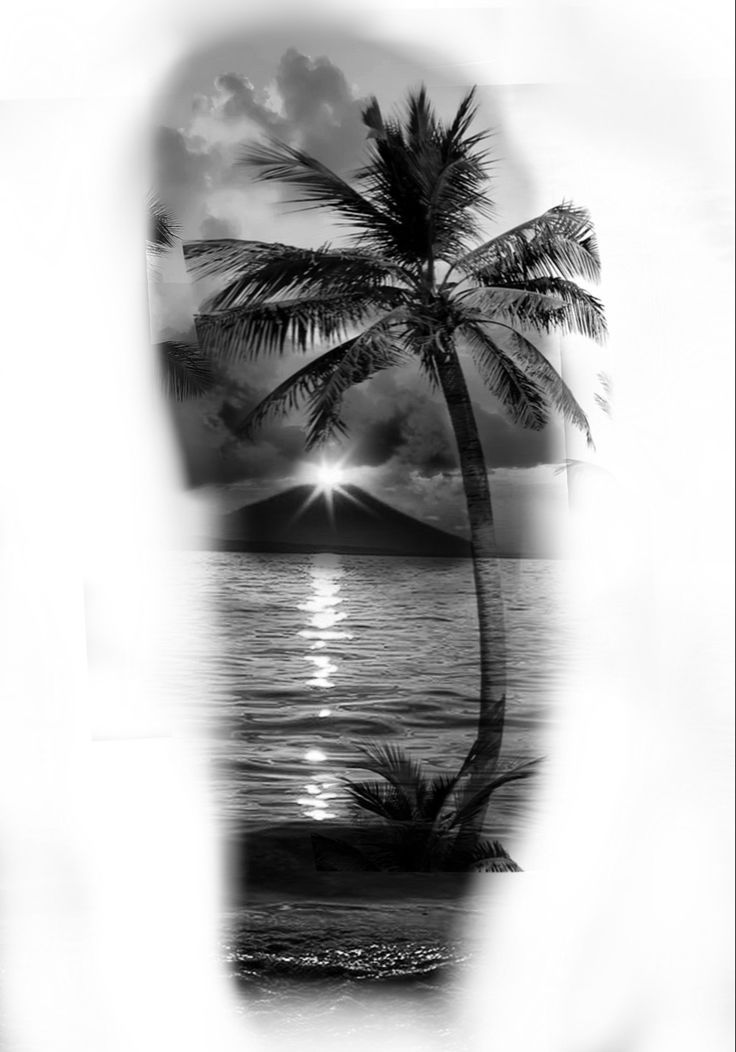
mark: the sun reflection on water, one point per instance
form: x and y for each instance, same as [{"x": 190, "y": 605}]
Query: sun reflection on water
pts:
[
  {"x": 316, "y": 805},
  {"x": 321, "y": 634},
  {"x": 324, "y": 668}
]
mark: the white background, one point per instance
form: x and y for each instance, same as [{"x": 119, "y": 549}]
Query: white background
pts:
[{"x": 618, "y": 937}]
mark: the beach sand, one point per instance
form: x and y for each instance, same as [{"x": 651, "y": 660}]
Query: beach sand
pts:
[
  {"x": 341, "y": 954},
  {"x": 281, "y": 907}
]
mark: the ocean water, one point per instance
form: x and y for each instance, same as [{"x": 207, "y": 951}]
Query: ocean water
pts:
[
  {"x": 291, "y": 664},
  {"x": 302, "y": 659}
]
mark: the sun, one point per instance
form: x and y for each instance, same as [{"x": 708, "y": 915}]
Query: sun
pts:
[
  {"x": 329, "y": 476},
  {"x": 326, "y": 481},
  {"x": 326, "y": 476}
]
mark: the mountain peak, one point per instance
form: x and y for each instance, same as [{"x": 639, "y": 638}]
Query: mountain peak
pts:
[{"x": 346, "y": 520}]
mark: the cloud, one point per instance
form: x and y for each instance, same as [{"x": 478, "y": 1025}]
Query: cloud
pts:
[
  {"x": 309, "y": 103},
  {"x": 391, "y": 417},
  {"x": 237, "y": 98},
  {"x": 322, "y": 112},
  {"x": 214, "y": 227},
  {"x": 394, "y": 418},
  {"x": 402, "y": 451},
  {"x": 187, "y": 172},
  {"x": 377, "y": 442},
  {"x": 506, "y": 445},
  {"x": 395, "y": 425},
  {"x": 178, "y": 168},
  {"x": 211, "y": 457}
]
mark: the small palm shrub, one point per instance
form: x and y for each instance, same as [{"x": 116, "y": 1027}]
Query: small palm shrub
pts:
[{"x": 425, "y": 821}]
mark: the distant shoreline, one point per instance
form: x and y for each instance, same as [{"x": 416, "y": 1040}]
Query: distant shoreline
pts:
[{"x": 263, "y": 548}]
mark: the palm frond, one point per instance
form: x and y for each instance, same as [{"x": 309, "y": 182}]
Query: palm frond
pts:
[
  {"x": 256, "y": 270},
  {"x": 426, "y": 828},
  {"x": 381, "y": 798},
  {"x": 423, "y": 346},
  {"x": 434, "y": 795},
  {"x": 228, "y": 257},
  {"x": 478, "y": 801},
  {"x": 426, "y": 177},
  {"x": 266, "y": 327},
  {"x": 542, "y": 372},
  {"x": 580, "y": 311},
  {"x": 163, "y": 230},
  {"x": 392, "y": 764},
  {"x": 317, "y": 185},
  {"x": 464, "y": 117},
  {"x": 531, "y": 308},
  {"x": 604, "y": 401},
  {"x": 373, "y": 119},
  {"x": 306, "y": 272},
  {"x": 421, "y": 120},
  {"x": 370, "y": 357},
  {"x": 519, "y": 394},
  {"x": 460, "y": 185},
  {"x": 457, "y": 190},
  {"x": 560, "y": 242},
  {"x": 370, "y": 352},
  {"x": 490, "y": 857},
  {"x": 185, "y": 372}
]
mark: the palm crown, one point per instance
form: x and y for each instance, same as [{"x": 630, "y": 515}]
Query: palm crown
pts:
[{"x": 413, "y": 213}]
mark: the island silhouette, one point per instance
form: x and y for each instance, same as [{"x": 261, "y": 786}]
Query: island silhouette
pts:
[{"x": 344, "y": 520}]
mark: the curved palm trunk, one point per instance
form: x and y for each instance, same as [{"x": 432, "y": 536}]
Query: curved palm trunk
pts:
[{"x": 484, "y": 755}]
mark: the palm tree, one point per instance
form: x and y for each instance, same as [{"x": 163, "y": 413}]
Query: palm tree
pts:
[
  {"x": 185, "y": 371},
  {"x": 413, "y": 280}
]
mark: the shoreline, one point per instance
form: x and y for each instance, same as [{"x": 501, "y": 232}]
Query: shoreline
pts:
[
  {"x": 286, "y": 920},
  {"x": 198, "y": 544},
  {"x": 278, "y": 861}
]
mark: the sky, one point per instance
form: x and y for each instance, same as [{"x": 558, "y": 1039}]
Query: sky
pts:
[{"x": 308, "y": 89}]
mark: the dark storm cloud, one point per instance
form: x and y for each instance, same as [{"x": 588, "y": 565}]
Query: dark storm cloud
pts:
[
  {"x": 393, "y": 417},
  {"x": 377, "y": 442},
  {"x": 389, "y": 421},
  {"x": 402, "y": 429},
  {"x": 242, "y": 100},
  {"x": 506, "y": 445},
  {"x": 395, "y": 423},
  {"x": 210, "y": 454},
  {"x": 288, "y": 441}
]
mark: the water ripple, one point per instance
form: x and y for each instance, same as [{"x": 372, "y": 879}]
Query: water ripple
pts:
[{"x": 315, "y": 655}]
